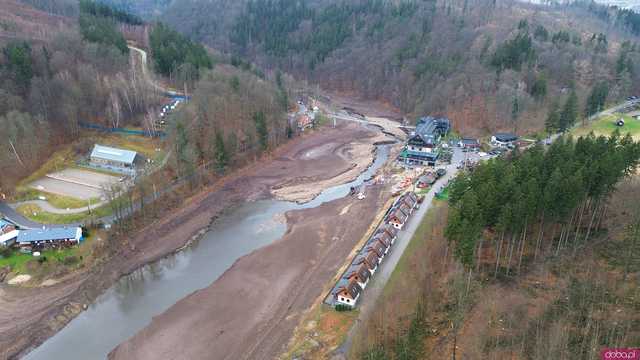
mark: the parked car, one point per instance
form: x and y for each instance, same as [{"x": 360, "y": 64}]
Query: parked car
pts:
[{"x": 441, "y": 172}]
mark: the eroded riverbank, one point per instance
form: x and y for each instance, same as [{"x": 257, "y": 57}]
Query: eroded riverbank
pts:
[{"x": 251, "y": 310}]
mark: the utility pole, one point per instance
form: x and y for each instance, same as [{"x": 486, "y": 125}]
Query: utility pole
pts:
[{"x": 455, "y": 341}]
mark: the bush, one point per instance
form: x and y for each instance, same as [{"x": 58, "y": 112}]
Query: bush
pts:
[
  {"x": 5, "y": 252},
  {"x": 342, "y": 307},
  {"x": 70, "y": 260}
]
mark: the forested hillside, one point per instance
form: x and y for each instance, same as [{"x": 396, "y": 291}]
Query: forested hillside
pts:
[
  {"x": 58, "y": 71},
  {"x": 536, "y": 256},
  {"x": 234, "y": 116},
  {"x": 487, "y": 64},
  {"x": 177, "y": 57},
  {"x": 52, "y": 79}
]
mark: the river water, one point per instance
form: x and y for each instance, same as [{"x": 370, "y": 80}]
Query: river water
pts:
[{"x": 129, "y": 305}]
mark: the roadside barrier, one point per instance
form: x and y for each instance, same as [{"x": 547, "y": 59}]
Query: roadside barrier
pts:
[{"x": 160, "y": 133}]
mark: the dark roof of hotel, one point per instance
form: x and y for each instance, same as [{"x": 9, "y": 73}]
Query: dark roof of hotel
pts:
[
  {"x": 505, "y": 137},
  {"x": 429, "y": 128},
  {"x": 469, "y": 141}
]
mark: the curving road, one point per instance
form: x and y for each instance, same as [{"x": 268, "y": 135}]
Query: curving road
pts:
[
  {"x": 9, "y": 212},
  {"x": 147, "y": 74},
  {"x": 15, "y": 217},
  {"x": 46, "y": 206}
]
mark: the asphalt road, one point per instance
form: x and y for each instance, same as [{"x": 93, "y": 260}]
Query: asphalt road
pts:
[{"x": 20, "y": 220}]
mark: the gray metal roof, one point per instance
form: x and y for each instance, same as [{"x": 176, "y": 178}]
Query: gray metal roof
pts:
[
  {"x": 51, "y": 234},
  {"x": 113, "y": 154},
  {"x": 504, "y": 137},
  {"x": 430, "y": 128}
]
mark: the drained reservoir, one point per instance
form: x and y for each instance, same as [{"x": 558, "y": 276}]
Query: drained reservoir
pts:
[{"x": 129, "y": 305}]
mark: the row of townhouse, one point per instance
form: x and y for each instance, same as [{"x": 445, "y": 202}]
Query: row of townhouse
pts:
[{"x": 348, "y": 289}]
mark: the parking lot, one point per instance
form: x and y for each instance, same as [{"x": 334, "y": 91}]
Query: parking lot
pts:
[{"x": 76, "y": 183}]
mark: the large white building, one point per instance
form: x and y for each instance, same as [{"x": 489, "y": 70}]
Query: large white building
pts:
[{"x": 113, "y": 158}]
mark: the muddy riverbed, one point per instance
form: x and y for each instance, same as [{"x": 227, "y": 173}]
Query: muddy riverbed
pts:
[{"x": 131, "y": 303}]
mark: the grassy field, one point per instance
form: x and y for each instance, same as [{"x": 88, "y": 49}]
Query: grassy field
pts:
[
  {"x": 69, "y": 257},
  {"x": 399, "y": 275},
  {"x": 143, "y": 145},
  {"x": 65, "y": 158},
  {"x": 330, "y": 328},
  {"x": 35, "y": 213},
  {"x": 606, "y": 126},
  {"x": 444, "y": 195}
]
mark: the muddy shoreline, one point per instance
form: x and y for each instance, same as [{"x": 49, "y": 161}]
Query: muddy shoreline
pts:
[
  {"x": 251, "y": 311},
  {"x": 53, "y": 307}
]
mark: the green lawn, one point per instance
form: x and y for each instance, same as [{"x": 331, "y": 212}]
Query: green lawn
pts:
[
  {"x": 141, "y": 144},
  {"x": 444, "y": 195},
  {"x": 34, "y": 213},
  {"x": 606, "y": 126},
  {"x": 19, "y": 261}
]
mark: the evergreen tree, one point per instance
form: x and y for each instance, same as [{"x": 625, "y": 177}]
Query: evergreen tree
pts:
[
  {"x": 18, "y": 60},
  {"x": 597, "y": 98},
  {"x": 569, "y": 113},
  {"x": 537, "y": 189},
  {"x": 221, "y": 156},
  {"x": 552, "y": 123},
  {"x": 171, "y": 50},
  {"x": 541, "y": 33},
  {"x": 102, "y": 30},
  {"x": 539, "y": 88},
  {"x": 185, "y": 156},
  {"x": 261, "y": 129}
]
